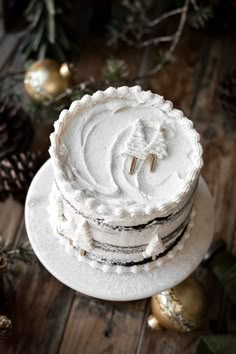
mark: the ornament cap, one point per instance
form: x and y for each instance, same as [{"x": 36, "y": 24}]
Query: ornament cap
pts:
[
  {"x": 65, "y": 70},
  {"x": 153, "y": 323}
]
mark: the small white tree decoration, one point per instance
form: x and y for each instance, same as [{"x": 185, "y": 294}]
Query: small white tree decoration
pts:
[
  {"x": 136, "y": 146},
  {"x": 157, "y": 148},
  {"x": 154, "y": 247},
  {"x": 83, "y": 238},
  {"x": 86, "y": 238}
]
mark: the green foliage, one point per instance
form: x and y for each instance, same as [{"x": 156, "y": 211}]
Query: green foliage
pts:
[
  {"x": 115, "y": 70},
  {"x": 129, "y": 21},
  {"x": 39, "y": 112},
  {"x": 161, "y": 58},
  {"x": 13, "y": 260},
  {"x": 47, "y": 31},
  {"x": 218, "y": 344},
  {"x": 79, "y": 91},
  {"x": 198, "y": 16},
  {"x": 50, "y": 110}
]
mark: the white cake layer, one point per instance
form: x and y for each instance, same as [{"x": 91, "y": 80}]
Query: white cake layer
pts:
[
  {"x": 120, "y": 257},
  {"x": 91, "y": 156},
  {"x": 107, "y": 235},
  {"x": 108, "y": 244},
  {"x": 105, "y": 258}
]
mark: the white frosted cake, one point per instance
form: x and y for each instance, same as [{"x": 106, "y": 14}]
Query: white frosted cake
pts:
[{"x": 126, "y": 167}]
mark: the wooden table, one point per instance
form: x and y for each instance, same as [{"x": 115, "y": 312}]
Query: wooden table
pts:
[{"x": 50, "y": 318}]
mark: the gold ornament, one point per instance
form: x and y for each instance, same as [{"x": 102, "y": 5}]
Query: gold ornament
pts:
[
  {"x": 46, "y": 79},
  {"x": 182, "y": 308}
]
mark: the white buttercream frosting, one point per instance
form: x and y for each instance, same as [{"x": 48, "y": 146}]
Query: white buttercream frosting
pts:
[
  {"x": 153, "y": 246},
  {"x": 96, "y": 203},
  {"x": 92, "y": 167}
]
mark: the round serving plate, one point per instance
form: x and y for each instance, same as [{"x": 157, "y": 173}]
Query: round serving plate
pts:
[{"x": 112, "y": 286}]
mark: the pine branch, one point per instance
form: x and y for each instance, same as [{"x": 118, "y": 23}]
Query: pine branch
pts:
[
  {"x": 134, "y": 31},
  {"x": 115, "y": 70},
  {"x": 47, "y": 32},
  {"x": 51, "y": 21},
  {"x": 138, "y": 24},
  {"x": 163, "y": 17},
  {"x": 199, "y": 15},
  {"x": 10, "y": 259}
]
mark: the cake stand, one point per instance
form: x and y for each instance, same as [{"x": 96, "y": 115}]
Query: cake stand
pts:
[{"x": 111, "y": 286}]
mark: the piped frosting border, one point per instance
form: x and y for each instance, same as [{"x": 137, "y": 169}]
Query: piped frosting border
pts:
[
  {"x": 135, "y": 268},
  {"x": 90, "y": 204}
]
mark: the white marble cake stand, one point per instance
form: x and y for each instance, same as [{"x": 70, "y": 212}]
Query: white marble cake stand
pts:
[{"x": 121, "y": 287}]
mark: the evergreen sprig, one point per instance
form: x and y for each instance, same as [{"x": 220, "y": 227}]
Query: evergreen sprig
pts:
[
  {"x": 79, "y": 91},
  {"x": 12, "y": 258},
  {"x": 199, "y": 15},
  {"x": 115, "y": 70},
  {"x": 129, "y": 22},
  {"x": 47, "y": 31}
]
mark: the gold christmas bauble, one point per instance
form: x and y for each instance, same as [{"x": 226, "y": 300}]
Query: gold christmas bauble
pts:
[
  {"x": 182, "y": 308},
  {"x": 46, "y": 79}
]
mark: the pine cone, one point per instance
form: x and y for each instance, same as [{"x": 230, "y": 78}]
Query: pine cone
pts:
[
  {"x": 16, "y": 174},
  {"x": 5, "y": 327},
  {"x": 15, "y": 129},
  {"x": 227, "y": 94}
]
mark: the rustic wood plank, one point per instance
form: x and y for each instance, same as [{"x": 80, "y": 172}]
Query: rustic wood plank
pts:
[
  {"x": 177, "y": 81},
  {"x": 166, "y": 342},
  {"x": 39, "y": 308},
  {"x": 221, "y": 60},
  {"x": 220, "y": 173},
  {"x": 218, "y": 140},
  {"x": 97, "y": 326}
]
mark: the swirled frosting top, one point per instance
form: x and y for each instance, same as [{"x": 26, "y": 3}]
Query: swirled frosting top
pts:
[{"x": 98, "y": 139}]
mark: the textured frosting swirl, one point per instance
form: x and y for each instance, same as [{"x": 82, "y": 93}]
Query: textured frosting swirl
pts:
[{"x": 89, "y": 152}]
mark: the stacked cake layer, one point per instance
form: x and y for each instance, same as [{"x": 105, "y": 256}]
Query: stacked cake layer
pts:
[{"x": 126, "y": 167}]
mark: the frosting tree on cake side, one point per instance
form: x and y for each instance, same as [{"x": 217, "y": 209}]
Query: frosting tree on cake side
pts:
[{"x": 126, "y": 166}]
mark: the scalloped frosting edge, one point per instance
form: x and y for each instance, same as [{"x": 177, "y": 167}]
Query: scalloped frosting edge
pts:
[{"x": 79, "y": 198}]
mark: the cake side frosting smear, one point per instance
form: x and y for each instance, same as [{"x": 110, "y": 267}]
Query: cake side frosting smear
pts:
[{"x": 126, "y": 167}]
